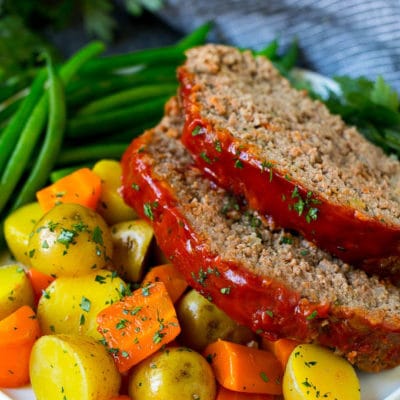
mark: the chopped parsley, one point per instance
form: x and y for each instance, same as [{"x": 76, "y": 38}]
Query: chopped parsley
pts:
[
  {"x": 198, "y": 130},
  {"x": 205, "y": 157},
  {"x": 97, "y": 235},
  {"x": 85, "y": 304},
  {"x": 148, "y": 209},
  {"x": 264, "y": 376}
]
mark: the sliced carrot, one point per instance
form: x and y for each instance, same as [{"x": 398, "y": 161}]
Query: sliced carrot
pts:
[
  {"x": 18, "y": 333},
  {"x": 170, "y": 276},
  {"x": 82, "y": 186},
  {"x": 244, "y": 369},
  {"x": 139, "y": 325},
  {"x": 225, "y": 394},
  {"x": 281, "y": 348},
  {"x": 39, "y": 282}
]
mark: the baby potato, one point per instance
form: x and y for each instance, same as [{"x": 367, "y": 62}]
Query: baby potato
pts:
[
  {"x": 71, "y": 304},
  {"x": 72, "y": 367},
  {"x": 17, "y": 228},
  {"x": 15, "y": 290},
  {"x": 111, "y": 205},
  {"x": 202, "y": 323},
  {"x": 131, "y": 240},
  {"x": 315, "y": 372},
  {"x": 175, "y": 373},
  {"x": 70, "y": 240}
]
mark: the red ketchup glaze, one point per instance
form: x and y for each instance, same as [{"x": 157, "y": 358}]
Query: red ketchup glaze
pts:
[
  {"x": 265, "y": 305},
  {"x": 354, "y": 237}
]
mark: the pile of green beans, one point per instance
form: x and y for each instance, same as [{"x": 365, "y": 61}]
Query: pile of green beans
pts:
[{"x": 73, "y": 114}]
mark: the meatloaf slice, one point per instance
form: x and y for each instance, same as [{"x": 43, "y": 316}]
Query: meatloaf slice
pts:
[
  {"x": 253, "y": 133},
  {"x": 276, "y": 282}
]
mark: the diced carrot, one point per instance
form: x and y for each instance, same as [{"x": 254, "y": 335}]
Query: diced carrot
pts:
[
  {"x": 281, "y": 348},
  {"x": 18, "y": 333},
  {"x": 225, "y": 394},
  {"x": 170, "y": 276},
  {"x": 244, "y": 369},
  {"x": 139, "y": 325},
  {"x": 82, "y": 186},
  {"x": 39, "y": 282}
]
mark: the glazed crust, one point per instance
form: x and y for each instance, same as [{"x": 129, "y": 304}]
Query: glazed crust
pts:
[
  {"x": 274, "y": 300},
  {"x": 291, "y": 161}
]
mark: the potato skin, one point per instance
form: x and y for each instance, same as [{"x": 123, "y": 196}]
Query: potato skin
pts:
[
  {"x": 202, "y": 323},
  {"x": 70, "y": 240},
  {"x": 71, "y": 304},
  {"x": 111, "y": 205},
  {"x": 72, "y": 367},
  {"x": 132, "y": 241},
  {"x": 17, "y": 228},
  {"x": 316, "y": 372},
  {"x": 15, "y": 289},
  {"x": 175, "y": 373}
]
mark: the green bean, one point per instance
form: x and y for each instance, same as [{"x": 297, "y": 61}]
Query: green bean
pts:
[
  {"x": 15, "y": 84},
  {"x": 115, "y": 120},
  {"x": 8, "y": 109},
  {"x": 126, "y": 136},
  {"x": 83, "y": 90},
  {"x": 16, "y": 164},
  {"x": 30, "y": 133},
  {"x": 165, "y": 55},
  {"x": 10, "y": 135},
  {"x": 52, "y": 142},
  {"x": 129, "y": 96},
  {"x": 162, "y": 55},
  {"x": 81, "y": 154}
]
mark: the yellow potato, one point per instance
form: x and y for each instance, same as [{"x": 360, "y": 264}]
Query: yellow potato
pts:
[
  {"x": 315, "y": 372},
  {"x": 71, "y": 304},
  {"x": 15, "y": 289},
  {"x": 111, "y": 205},
  {"x": 17, "y": 228},
  {"x": 197, "y": 314},
  {"x": 70, "y": 240},
  {"x": 131, "y": 240},
  {"x": 69, "y": 367},
  {"x": 175, "y": 373}
]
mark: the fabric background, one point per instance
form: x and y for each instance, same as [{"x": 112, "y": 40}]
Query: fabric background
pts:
[{"x": 336, "y": 37}]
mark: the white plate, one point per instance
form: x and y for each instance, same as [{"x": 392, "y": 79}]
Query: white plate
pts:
[{"x": 382, "y": 386}]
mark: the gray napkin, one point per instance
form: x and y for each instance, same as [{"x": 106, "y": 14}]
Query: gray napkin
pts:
[{"x": 336, "y": 37}]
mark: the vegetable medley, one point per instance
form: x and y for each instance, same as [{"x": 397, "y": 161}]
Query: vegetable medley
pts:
[{"x": 92, "y": 310}]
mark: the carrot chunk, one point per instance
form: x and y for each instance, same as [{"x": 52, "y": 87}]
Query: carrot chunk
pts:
[
  {"x": 245, "y": 369},
  {"x": 18, "y": 332},
  {"x": 170, "y": 276},
  {"x": 225, "y": 394},
  {"x": 281, "y": 348},
  {"x": 139, "y": 325},
  {"x": 39, "y": 282},
  {"x": 82, "y": 186}
]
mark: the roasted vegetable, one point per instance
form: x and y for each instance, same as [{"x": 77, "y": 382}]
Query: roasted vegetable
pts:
[
  {"x": 72, "y": 367},
  {"x": 15, "y": 289},
  {"x": 70, "y": 240},
  {"x": 175, "y": 373},
  {"x": 314, "y": 372},
  {"x": 71, "y": 305}
]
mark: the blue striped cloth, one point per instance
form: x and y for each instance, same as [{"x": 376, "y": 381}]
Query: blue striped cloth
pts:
[{"x": 336, "y": 37}]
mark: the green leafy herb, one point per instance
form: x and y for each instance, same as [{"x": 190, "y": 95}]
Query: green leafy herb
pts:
[{"x": 85, "y": 304}]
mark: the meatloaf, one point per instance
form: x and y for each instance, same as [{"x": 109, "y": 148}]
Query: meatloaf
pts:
[
  {"x": 274, "y": 281},
  {"x": 252, "y": 132}
]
